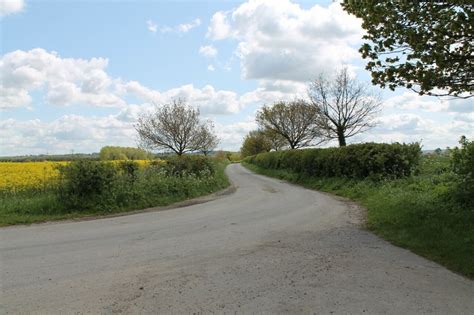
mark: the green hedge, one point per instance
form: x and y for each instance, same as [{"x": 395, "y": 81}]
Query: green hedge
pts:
[{"x": 375, "y": 160}]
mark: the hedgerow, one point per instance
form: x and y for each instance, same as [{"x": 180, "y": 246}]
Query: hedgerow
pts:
[{"x": 374, "y": 160}]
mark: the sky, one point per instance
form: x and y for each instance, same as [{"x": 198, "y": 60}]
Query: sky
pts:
[{"x": 76, "y": 75}]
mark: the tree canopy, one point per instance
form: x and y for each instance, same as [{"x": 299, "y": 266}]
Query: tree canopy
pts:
[
  {"x": 255, "y": 142},
  {"x": 176, "y": 127},
  {"x": 426, "y": 46},
  {"x": 295, "y": 121}
]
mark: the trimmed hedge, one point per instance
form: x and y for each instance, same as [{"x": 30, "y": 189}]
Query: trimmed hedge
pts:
[{"x": 375, "y": 160}]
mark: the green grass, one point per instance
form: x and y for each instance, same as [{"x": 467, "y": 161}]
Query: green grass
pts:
[
  {"x": 419, "y": 213},
  {"x": 33, "y": 206}
]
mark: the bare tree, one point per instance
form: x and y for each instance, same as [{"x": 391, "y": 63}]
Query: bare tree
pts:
[
  {"x": 295, "y": 121},
  {"x": 174, "y": 126},
  {"x": 344, "y": 106},
  {"x": 207, "y": 139}
]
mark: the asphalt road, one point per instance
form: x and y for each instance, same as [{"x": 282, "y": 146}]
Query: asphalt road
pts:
[{"x": 268, "y": 247}]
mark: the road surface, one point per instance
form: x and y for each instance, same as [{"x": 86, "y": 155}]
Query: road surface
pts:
[{"x": 268, "y": 247}]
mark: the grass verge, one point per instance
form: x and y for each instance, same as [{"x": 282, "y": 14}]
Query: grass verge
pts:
[
  {"x": 148, "y": 190},
  {"x": 417, "y": 213}
]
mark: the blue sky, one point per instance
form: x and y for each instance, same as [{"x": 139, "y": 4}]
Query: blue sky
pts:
[{"x": 75, "y": 75}]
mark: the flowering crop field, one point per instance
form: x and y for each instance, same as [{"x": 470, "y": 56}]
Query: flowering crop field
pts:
[
  {"x": 23, "y": 175},
  {"x": 20, "y": 175}
]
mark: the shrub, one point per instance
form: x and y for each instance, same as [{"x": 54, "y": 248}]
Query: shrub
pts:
[
  {"x": 129, "y": 169},
  {"x": 374, "y": 160},
  {"x": 189, "y": 165},
  {"x": 85, "y": 183},
  {"x": 462, "y": 163}
]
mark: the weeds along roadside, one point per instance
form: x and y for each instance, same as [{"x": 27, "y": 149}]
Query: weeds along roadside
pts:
[{"x": 88, "y": 187}]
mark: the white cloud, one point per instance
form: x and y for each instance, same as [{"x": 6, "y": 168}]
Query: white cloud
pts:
[
  {"x": 281, "y": 41},
  {"x": 69, "y": 132},
  {"x": 140, "y": 91},
  {"x": 209, "y": 100},
  {"x": 181, "y": 28},
  {"x": 152, "y": 27},
  {"x": 411, "y": 101},
  {"x": 65, "y": 80},
  {"x": 208, "y": 51},
  {"x": 11, "y": 6},
  {"x": 461, "y": 105},
  {"x": 415, "y": 128},
  {"x": 89, "y": 134},
  {"x": 211, "y": 68},
  {"x": 184, "y": 28},
  {"x": 231, "y": 135},
  {"x": 218, "y": 28},
  {"x": 270, "y": 91}
]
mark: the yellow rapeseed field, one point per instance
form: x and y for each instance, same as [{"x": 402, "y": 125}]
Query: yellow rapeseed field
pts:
[{"x": 20, "y": 175}]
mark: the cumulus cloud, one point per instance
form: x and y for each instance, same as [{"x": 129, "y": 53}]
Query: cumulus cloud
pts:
[
  {"x": 209, "y": 100},
  {"x": 219, "y": 27},
  {"x": 211, "y": 68},
  {"x": 89, "y": 134},
  {"x": 461, "y": 105},
  {"x": 416, "y": 128},
  {"x": 69, "y": 132},
  {"x": 231, "y": 135},
  {"x": 65, "y": 80},
  {"x": 208, "y": 51},
  {"x": 11, "y": 6},
  {"x": 270, "y": 91},
  {"x": 279, "y": 40},
  {"x": 412, "y": 101}
]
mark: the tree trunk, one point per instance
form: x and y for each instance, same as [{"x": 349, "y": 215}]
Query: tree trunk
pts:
[{"x": 342, "y": 138}]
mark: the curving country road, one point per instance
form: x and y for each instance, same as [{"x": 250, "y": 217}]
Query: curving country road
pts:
[{"x": 268, "y": 247}]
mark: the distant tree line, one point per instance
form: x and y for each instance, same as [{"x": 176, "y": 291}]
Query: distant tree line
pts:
[
  {"x": 123, "y": 153},
  {"x": 50, "y": 157}
]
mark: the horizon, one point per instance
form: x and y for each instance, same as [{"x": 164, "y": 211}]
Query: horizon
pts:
[{"x": 75, "y": 76}]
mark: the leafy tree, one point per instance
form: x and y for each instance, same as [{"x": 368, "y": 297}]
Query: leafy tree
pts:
[
  {"x": 344, "y": 106},
  {"x": 295, "y": 121},
  {"x": 426, "y": 46},
  {"x": 463, "y": 165},
  {"x": 176, "y": 127},
  {"x": 255, "y": 142}
]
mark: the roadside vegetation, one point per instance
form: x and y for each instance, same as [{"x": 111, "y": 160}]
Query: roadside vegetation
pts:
[
  {"x": 125, "y": 178},
  {"x": 88, "y": 188},
  {"x": 421, "y": 202}
]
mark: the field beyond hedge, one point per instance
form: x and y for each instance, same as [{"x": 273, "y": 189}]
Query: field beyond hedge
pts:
[
  {"x": 26, "y": 175},
  {"x": 429, "y": 212},
  {"x": 44, "y": 191}
]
